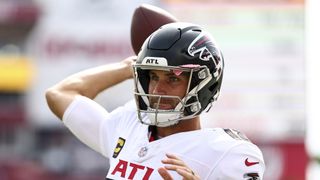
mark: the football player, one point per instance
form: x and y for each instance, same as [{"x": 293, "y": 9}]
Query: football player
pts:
[{"x": 177, "y": 75}]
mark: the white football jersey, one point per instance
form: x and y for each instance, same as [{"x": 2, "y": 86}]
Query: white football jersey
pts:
[{"x": 213, "y": 153}]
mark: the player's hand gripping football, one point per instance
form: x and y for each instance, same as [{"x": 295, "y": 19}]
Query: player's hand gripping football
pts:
[{"x": 174, "y": 163}]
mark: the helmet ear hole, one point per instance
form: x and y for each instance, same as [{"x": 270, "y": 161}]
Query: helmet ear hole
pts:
[{"x": 210, "y": 92}]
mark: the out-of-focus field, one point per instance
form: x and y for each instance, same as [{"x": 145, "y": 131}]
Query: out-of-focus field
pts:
[{"x": 41, "y": 42}]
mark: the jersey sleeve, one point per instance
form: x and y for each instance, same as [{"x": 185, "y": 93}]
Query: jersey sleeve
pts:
[
  {"x": 243, "y": 161},
  {"x": 95, "y": 126},
  {"x": 84, "y": 118}
]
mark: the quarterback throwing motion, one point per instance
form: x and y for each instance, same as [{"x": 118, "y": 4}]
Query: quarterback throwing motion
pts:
[{"x": 177, "y": 75}]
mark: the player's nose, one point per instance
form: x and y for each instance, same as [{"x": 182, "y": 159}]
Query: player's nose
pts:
[{"x": 160, "y": 88}]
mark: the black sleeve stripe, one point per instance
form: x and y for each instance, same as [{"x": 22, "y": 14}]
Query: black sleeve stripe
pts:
[{"x": 236, "y": 134}]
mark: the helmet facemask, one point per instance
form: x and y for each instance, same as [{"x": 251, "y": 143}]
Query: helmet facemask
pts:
[{"x": 150, "y": 110}]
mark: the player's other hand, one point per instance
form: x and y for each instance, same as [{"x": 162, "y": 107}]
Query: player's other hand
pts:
[
  {"x": 174, "y": 163},
  {"x": 129, "y": 61}
]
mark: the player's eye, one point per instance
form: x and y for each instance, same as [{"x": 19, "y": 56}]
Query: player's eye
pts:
[
  {"x": 173, "y": 79},
  {"x": 153, "y": 77}
]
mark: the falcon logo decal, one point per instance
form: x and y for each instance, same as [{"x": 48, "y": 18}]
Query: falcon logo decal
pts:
[
  {"x": 199, "y": 45},
  {"x": 119, "y": 147},
  {"x": 204, "y": 45}
]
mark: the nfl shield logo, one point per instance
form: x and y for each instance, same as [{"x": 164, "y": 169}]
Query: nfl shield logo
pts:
[{"x": 143, "y": 151}]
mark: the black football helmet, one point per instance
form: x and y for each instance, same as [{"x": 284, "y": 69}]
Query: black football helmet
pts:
[{"x": 187, "y": 48}]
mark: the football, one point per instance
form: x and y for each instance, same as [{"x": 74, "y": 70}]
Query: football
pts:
[{"x": 145, "y": 20}]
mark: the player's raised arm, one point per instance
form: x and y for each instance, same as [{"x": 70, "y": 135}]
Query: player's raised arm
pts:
[{"x": 87, "y": 83}]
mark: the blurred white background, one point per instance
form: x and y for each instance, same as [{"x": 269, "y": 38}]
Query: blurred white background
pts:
[{"x": 266, "y": 88}]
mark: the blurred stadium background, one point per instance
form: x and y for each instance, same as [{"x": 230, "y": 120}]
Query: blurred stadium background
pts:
[{"x": 43, "y": 41}]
